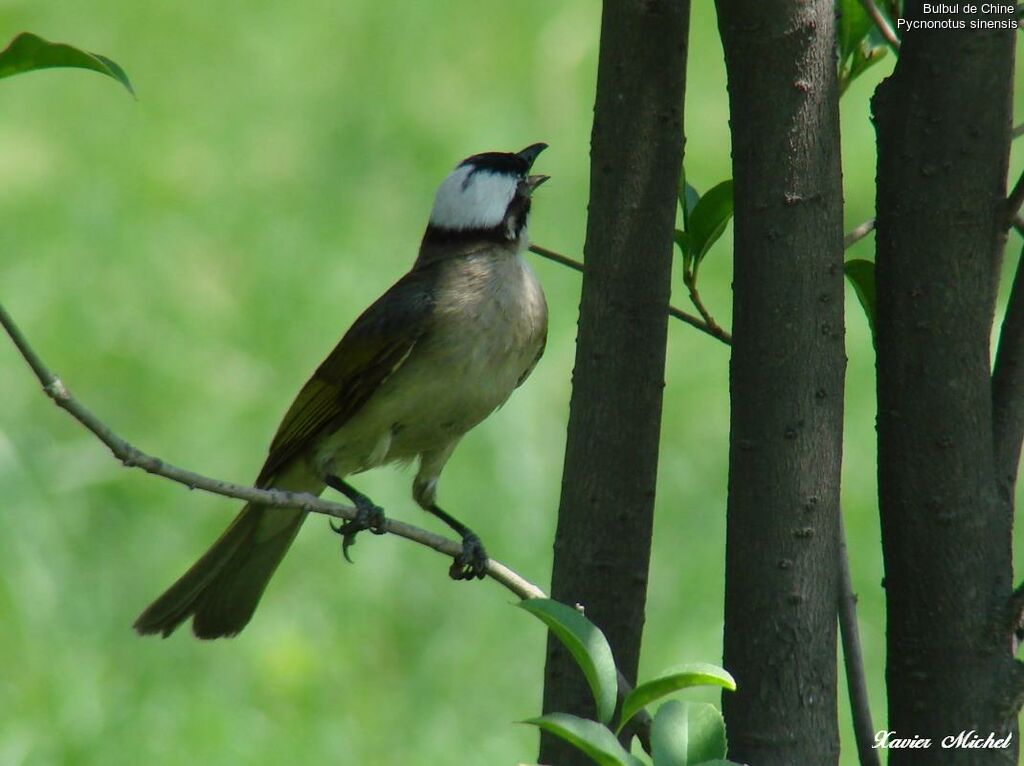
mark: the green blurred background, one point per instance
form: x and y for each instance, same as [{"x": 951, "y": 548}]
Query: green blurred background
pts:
[{"x": 185, "y": 261}]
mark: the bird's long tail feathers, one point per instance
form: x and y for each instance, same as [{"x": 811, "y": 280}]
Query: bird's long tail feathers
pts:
[{"x": 221, "y": 590}]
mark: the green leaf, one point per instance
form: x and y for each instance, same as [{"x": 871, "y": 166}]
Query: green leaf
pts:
[
  {"x": 27, "y": 52},
  {"x": 861, "y": 44},
  {"x": 682, "y": 240},
  {"x": 861, "y": 274},
  {"x": 590, "y": 737},
  {"x": 686, "y": 734},
  {"x": 709, "y": 219},
  {"x": 875, "y": 39},
  {"x": 854, "y": 25},
  {"x": 588, "y": 647},
  {"x": 681, "y": 677},
  {"x": 867, "y": 55},
  {"x": 688, "y": 197}
]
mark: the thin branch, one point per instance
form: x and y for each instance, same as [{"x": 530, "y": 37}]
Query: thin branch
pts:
[
  {"x": 857, "y": 233},
  {"x": 133, "y": 457},
  {"x": 690, "y": 280},
  {"x": 1018, "y": 131},
  {"x": 690, "y": 319},
  {"x": 706, "y": 322},
  {"x": 1018, "y": 224},
  {"x": 721, "y": 334},
  {"x": 883, "y": 24},
  {"x": 853, "y": 659},
  {"x": 853, "y": 655},
  {"x": 551, "y": 255}
]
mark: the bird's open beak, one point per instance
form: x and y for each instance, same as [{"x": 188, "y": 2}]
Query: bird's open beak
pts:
[
  {"x": 530, "y": 153},
  {"x": 534, "y": 181}
]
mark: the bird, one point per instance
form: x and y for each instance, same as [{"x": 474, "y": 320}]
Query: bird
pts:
[{"x": 438, "y": 352}]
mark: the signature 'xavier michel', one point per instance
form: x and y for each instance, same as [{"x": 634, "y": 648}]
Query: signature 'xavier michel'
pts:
[{"x": 431, "y": 358}]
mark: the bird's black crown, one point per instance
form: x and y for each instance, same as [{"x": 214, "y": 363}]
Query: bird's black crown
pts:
[{"x": 511, "y": 163}]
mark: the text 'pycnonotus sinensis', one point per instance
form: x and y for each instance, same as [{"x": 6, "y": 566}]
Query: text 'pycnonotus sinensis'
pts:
[{"x": 432, "y": 357}]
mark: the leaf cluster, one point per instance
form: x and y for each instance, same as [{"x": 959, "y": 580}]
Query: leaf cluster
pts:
[
  {"x": 682, "y": 733},
  {"x": 861, "y": 43}
]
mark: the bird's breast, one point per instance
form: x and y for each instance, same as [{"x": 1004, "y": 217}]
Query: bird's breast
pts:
[{"x": 485, "y": 334}]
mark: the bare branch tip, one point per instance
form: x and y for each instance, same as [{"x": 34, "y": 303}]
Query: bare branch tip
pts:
[{"x": 857, "y": 233}]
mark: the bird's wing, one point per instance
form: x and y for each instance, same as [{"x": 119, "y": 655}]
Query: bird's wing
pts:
[{"x": 374, "y": 347}]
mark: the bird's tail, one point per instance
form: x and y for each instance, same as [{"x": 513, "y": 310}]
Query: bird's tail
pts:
[{"x": 221, "y": 590}]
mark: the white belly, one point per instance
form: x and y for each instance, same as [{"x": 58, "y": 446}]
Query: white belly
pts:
[{"x": 489, "y": 326}]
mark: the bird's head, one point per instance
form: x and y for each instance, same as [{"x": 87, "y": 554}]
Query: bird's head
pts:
[{"x": 486, "y": 197}]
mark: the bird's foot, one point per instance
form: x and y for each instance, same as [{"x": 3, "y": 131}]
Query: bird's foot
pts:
[
  {"x": 368, "y": 516},
  {"x": 472, "y": 562}
]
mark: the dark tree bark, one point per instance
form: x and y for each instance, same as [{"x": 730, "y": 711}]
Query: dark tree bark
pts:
[
  {"x": 943, "y": 124},
  {"x": 786, "y": 387},
  {"x": 602, "y": 545}
]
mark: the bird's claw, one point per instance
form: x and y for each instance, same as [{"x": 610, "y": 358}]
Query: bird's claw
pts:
[
  {"x": 471, "y": 563},
  {"x": 368, "y": 516}
]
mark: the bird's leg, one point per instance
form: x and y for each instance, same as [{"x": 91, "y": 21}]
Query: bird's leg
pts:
[
  {"x": 368, "y": 515},
  {"x": 472, "y": 562}
]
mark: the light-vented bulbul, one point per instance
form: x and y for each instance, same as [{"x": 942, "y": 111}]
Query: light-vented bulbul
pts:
[{"x": 431, "y": 358}]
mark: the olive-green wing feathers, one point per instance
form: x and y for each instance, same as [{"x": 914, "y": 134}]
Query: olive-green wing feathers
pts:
[{"x": 373, "y": 348}]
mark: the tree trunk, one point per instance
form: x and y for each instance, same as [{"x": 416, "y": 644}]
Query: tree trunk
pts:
[
  {"x": 602, "y": 545},
  {"x": 943, "y": 123},
  {"x": 786, "y": 387}
]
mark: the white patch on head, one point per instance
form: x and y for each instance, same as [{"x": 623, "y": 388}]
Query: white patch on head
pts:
[{"x": 472, "y": 199}]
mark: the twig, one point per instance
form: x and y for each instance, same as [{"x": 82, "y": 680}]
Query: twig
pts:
[
  {"x": 690, "y": 319},
  {"x": 853, "y": 659},
  {"x": 1018, "y": 224},
  {"x": 551, "y": 255},
  {"x": 857, "y": 233},
  {"x": 705, "y": 323},
  {"x": 690, "y": 280},
  {"x": 721, "y": 334},
  {"x": 853, "y": 655},
  {"x": 883, "y": 24},
  {"x": 1018, "y": 131},
  {"x": 133, "y": 457}
]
